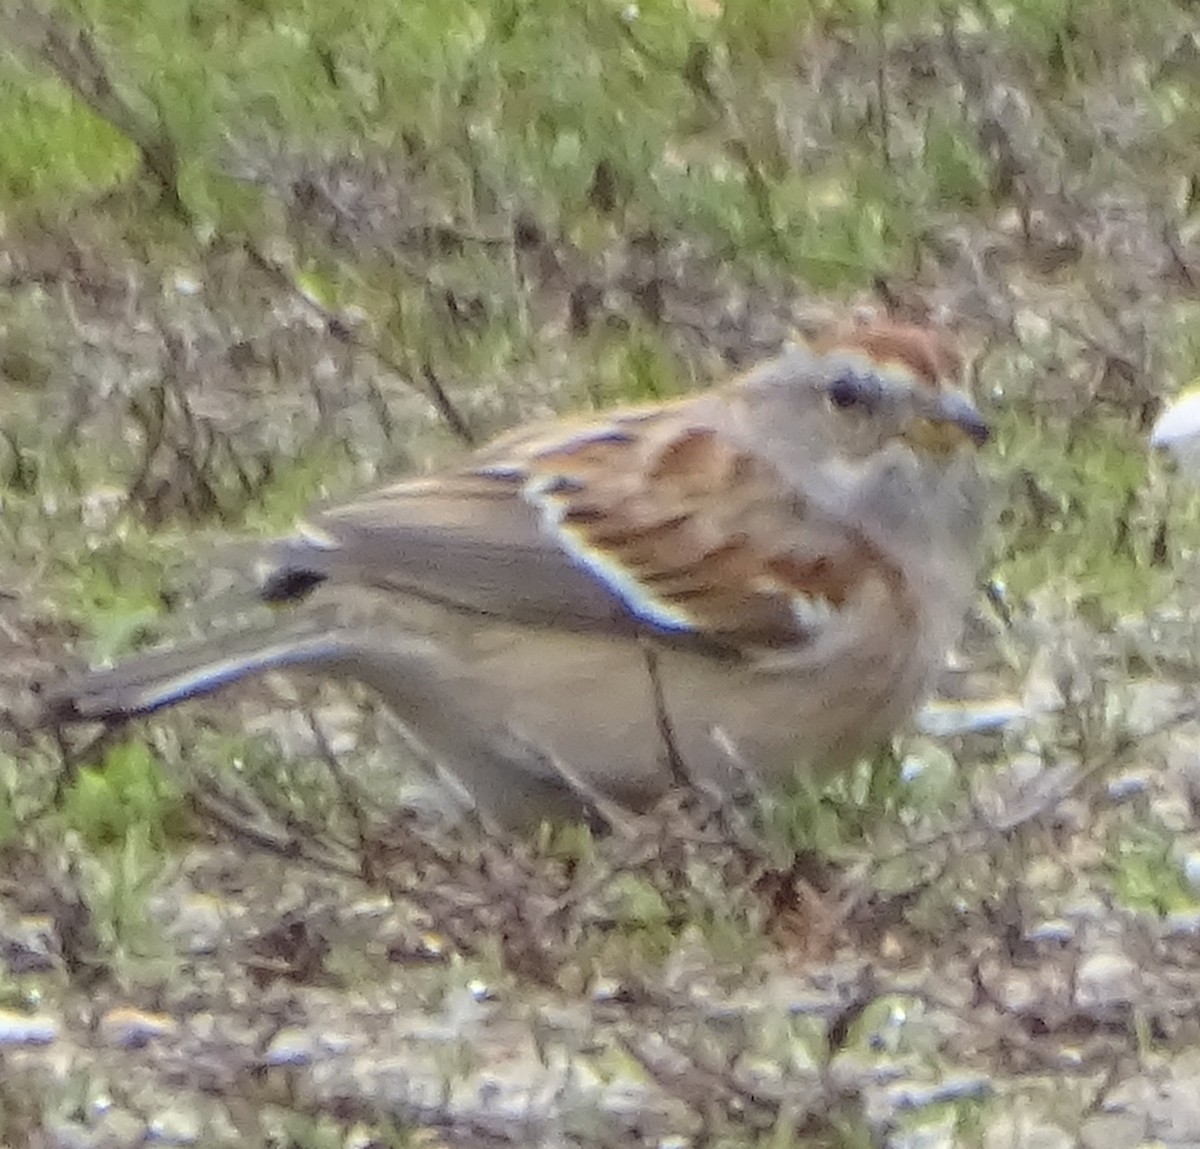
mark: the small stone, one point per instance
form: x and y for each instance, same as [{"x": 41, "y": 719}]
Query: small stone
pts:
[
  {"x": 1182, "y": 923},
  {"x": 480, "y": 990},
  {"x": 907, "y": 1096},
  {"x": 200, "y": 924},
  {"x": 1128, "y": 785},
  {"x": 1018, "y": 991},
  {"x": 290, "y": 1047},
  {"x": 1105, "y": 980},
  {"x": 26, "y": 1029},
  {"x": 1053, "y": 930},
  {"x": 30, "y": 945},
  {"x": 605, "y": 989},
  {"x": 174, "y": 1127},
  {"x": 953, "y": 719},
  {"x": 335, "y": 1044},
  {"x": 127, "y": 1028},
  {"x": 185, "y": 283}
]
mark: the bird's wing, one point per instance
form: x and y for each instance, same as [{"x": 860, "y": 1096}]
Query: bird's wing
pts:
[{"x": 653, "y": 521}]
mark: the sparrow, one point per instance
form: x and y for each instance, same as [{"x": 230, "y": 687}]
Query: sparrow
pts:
[{"x": 744, "y": 582}]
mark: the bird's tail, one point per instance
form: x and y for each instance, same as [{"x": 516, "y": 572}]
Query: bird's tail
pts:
[
  {"x": 148, "y": 682},
  {"x": 462, "y": 720}
]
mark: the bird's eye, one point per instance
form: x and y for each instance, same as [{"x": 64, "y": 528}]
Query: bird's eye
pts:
[{"x": 851, "y": 390}]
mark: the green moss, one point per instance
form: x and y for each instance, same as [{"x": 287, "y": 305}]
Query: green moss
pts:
[
  {"x": 1144, "y": 871},
  {"x": 1077, "y": 515},
  {"x": 53, "y": 145},
  {"x": 125, "y": 794},
  {"x": 116, "y": 590}
]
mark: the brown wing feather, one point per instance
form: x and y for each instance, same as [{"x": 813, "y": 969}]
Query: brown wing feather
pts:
[
  {"x": 467, "y": 541},
  {"x": 697, "y": 534},
  {"x": 643, "y": 519}
]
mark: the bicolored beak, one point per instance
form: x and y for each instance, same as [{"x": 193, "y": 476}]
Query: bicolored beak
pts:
[{"x": 950, "y": 417}]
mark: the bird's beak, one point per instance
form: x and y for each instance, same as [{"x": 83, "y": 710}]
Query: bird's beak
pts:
[{"x": 949, "y": 418}]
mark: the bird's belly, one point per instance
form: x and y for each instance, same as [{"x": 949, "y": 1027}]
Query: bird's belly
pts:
[
  {"x": 589, "y": 700},
  {"x": 614, "y": 711}
]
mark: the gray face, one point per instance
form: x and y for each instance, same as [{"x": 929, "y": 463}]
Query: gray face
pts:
[
  {"x": 843, "y": 404},
  {"x": 937, "y": 417}
]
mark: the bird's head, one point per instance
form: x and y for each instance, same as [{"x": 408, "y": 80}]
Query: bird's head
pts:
[
  {"x": 857, "y": 390},
  {"x": 872, "y": 425},
  {"x": 886, "y": 382}
]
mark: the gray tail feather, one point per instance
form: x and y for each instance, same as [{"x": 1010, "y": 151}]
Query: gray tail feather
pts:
[{"x": 145, "y": 683}]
